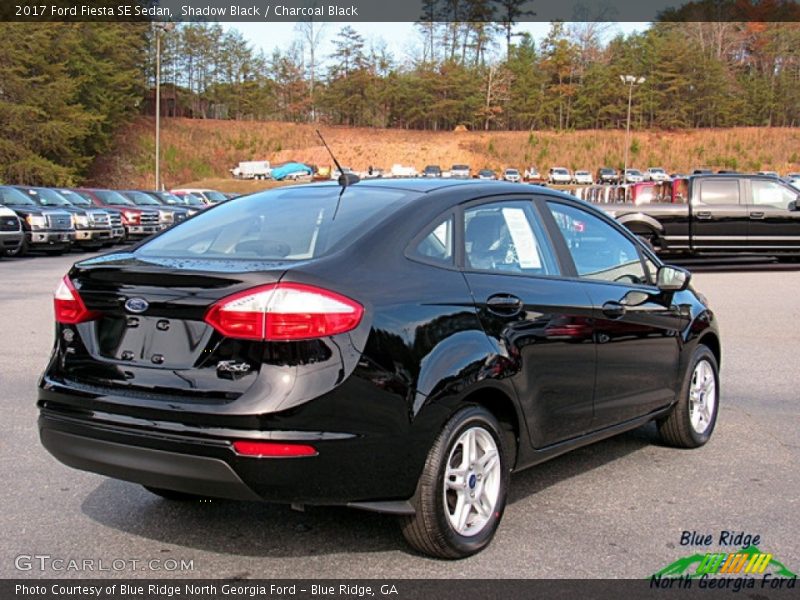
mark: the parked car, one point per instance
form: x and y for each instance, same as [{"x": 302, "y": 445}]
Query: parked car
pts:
[
  {"x": 432, "y": 171},
  {"x": 486, "y": 174},
  {"x": 512, "y": 175},
  {"x": 559, "y": 175},
  {"x": 632, "y": 176},
  {"x": 11, "y": 233},
  {"x": 207, "y": 196},
  {"x": 167, "y": 215},
  {"x": 607, "y": 175},
  {"x": 532, "y": 174},
  {"x": 92, "y": 225},
  {"x": 460, "y": 171},
  {"x": 582, "y": 178},
  {"x": 702, "y": 172},
  {"x": 399, "y": 170},
  {"x": 138, "y": 222},
  {"x": 84, "y": 200},
  {"x": 769, "y": 173},
  {"x": 191, "y": 204},
  {"x": 655, "y": 174},
  {"x": 283, "y": 374},
  {"x": 793, "y": 176},
  {"x": 720, "y": 214},
  {"x": 46, "y": 229}
]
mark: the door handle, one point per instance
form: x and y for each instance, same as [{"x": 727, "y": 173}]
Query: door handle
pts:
[
  {"x": 613, "y": 310},
  {"x": 757, "y": 215},
  {"x": 703, "y": 214},
  {"x": 505, "y": 305}
]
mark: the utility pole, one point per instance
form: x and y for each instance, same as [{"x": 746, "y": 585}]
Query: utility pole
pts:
[
  {"x": 159, "y": 28},
  {"x": 630, "y": 81}
]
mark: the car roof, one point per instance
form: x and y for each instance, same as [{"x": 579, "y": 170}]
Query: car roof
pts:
[{"x": 424, "y": 186}]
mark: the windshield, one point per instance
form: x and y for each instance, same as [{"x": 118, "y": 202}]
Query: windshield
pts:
[
  {"x": 112, "y": 198},
  {"x": 634, "y": 172},
  {"x": 656, "y": 170},
  {"x": 75, "y": 198},
  {"x": 12, "y": 197},
  {"x": 288, "y": 224},
  {"x": 486, "y": 173},
  {"x": 216, "y": 196},
  {"x": 141, "y": 199},
  {"x": 561, "y": 171},
  {"x": 512, "y": 172},
  {"x": 47, "y": 197},
  {"x": 168, "y": 198}
]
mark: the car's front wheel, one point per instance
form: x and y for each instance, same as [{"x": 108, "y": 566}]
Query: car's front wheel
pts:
[
  {"x": 692, "y": 420},
  {"x": 461, "y": 494}
]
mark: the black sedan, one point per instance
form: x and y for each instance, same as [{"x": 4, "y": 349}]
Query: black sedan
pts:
[{"x": 395, "y": 346}]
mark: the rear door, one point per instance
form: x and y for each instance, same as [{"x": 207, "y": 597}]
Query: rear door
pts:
[
  {"x": 540, "y": 322},
  {"x": 773, "y": 226},
  {"x": 719, "y": 214},
  {"x": 635, "y": 326}
]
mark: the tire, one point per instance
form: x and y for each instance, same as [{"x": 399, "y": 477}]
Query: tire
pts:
[
  {"x": 172, "y": 494},
  {"x": 689, "y": 425},
  {"x": 21, "y": 250},
  {"x": 436, "y": 529}
]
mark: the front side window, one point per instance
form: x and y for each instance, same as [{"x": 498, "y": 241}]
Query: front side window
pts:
[
  {"x": 506, "y": 237},
  {"x": 771, "y": 193},
  {"x": 598, "y": 250}
]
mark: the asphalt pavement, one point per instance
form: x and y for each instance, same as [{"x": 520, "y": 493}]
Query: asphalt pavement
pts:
[{"x": 616, "y": 509}]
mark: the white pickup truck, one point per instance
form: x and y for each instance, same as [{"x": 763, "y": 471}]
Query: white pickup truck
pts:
[{"x": 252, "y": 169}]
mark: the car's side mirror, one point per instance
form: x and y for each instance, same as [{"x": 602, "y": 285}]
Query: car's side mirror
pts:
[
  {"x": 794, "y": 204},
  {"x": 672, "y": 279}
]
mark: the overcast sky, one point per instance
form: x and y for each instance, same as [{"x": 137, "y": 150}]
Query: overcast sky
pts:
[{"x": 400, "y": 38}]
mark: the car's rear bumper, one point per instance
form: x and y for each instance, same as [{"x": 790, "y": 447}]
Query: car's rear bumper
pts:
[{"x": 347, "y": 468}]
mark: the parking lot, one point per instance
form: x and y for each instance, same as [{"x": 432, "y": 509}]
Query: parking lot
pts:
[{"x": 614, "y": 509}]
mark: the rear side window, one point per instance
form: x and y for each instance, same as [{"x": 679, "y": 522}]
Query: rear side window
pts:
[
  {"x": 719, "y": 191},
  {"x": 506, "y": 237},
  {"x": 292, "y": 224},
  {"x": 437, "y": 246},
  {"x": 598, "y": 250}
]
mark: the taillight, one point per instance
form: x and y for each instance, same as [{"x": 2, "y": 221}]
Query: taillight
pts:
[
  {"x": 69, "y": 306},
  {"x": 272, "y": 449},
  {"x": 284, "y": 311}
]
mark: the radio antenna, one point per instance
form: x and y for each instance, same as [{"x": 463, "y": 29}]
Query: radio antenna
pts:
[{"x": 345, "y": 179}]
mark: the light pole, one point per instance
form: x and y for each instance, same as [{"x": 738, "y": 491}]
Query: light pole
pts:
[
  {"x": 630, "y": 81},
  {"x": 160, "y": 28}
]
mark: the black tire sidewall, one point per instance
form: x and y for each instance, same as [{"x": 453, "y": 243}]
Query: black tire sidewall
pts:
[{"x": 467, "y": 418}]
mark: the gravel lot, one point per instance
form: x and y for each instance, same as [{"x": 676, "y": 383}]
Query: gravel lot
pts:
[{"x": 615, "y": 509}]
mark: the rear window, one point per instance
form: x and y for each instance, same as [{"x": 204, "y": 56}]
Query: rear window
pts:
[{"x": 292, "y": 224}]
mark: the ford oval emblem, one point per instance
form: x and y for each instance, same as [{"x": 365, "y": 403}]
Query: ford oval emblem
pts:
[{"x": 137, "y": 305}]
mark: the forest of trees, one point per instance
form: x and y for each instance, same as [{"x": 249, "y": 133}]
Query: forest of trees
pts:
[
  {"x": 485, "y": 76},
  {"x": 66, "y": 88}
]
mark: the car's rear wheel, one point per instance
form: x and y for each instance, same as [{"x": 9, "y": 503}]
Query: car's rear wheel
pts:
[
  {"x": 461, "y": 494},
  {"x": 692, "y": 420}
]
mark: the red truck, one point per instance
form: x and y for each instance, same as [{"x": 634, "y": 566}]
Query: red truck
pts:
[{"x": 139, "y": 222}]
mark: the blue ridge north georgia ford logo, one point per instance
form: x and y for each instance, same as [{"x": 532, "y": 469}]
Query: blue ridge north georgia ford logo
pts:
[{"x": 136, "y": 305}]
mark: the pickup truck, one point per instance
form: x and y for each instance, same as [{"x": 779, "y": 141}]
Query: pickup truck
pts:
[
  {"x": 11, "y": 234},
  {"x": 46, "y": 229},
  {"x": 718, "y": 214}
]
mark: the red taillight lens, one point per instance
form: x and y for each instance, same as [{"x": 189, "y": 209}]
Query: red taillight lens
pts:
[
  {"x": 284, "y": 311},
  {"x": 272, "y": 449},
  {"x": 69, "y": 306}
]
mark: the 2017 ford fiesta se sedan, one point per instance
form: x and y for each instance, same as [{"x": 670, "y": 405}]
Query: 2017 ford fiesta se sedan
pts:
[{"x": 397, "y": 346}]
